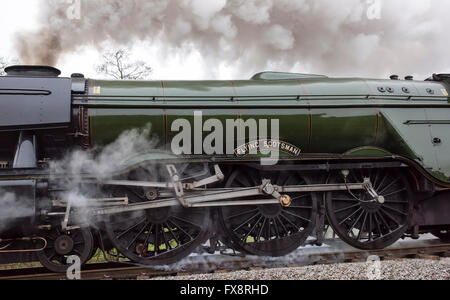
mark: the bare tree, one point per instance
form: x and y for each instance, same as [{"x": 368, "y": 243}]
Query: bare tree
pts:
[
  {"x": 117, "y": 64},
  {"x": 3, "y": 65},
  {"x": 5, "y": 62}
]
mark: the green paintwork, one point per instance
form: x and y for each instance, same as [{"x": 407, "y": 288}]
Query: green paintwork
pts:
[
  {"x": 319, "y": 115},
  {"x": 368, "y": 151},
  {"x": 283, "y": 76}
]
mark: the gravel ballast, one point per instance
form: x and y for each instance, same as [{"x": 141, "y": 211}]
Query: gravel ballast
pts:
[{"x": 410, "y": 269}]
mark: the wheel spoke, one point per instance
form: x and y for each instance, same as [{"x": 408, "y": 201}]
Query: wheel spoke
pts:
[
  {"x": 52, "y": 255},
  {"x": 269, "y": 230},
  {"x": 187, "y": 222},
  {"x": 146, "y": 240},
  {"x": 361, "y": 173},
  {"x": 179, "y": 227},
  {"x": 282, "y": 177},
  {"x": 130, "y": 228},
  {"x": 166, "y": 243},
  {"x": 395, "y": 210},
  {"x": 301, "y": 196},
  {"x": 295, "y": 215},
  {"x": 381, "y": 183},
  {"x": 287, "y": 180},
  {"x": 261, "y": 230},
  {"x": 253, "y": 228},
  {"x": 356, "y": 222},
  {"x": 137, "y": 235},
  {"x": 282, "y": 225},
  {"x": 287, "y": 219},
  {"x": 156, "y": 245},
  {"x": 354, "y": 177},
  {"x": 384, "y": 222},
  {"x": 351, "y": 215},
  {"x": 396, "y": 202},
  {"x": 76, "y": 236},
  {"x": 388, "y": 186},
  {"x": 78, "y": 252},
  {"x": 246, "y": 222},
  {"x": 299, "y": 207},
  {"x": 390, "y": 216},
  {"x": 378, "y": 225},
  {"x": 346, "y": 199},
  {"x": 361, "y": 230},
  {"x": 396, "y": 192},
  {"x": 376, "y": 177},
  {"x": 276, "y": 228},
  {"x": 346, "y": 208},
  {"x": 173, "y": 234},
  {"x": 241, "y": 214}
]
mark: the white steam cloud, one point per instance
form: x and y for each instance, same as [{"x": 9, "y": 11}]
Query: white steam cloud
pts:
[
  {"x": 99, "y": 164},
  {"x": 75, "y": 167},
  {"x": 352, "y": 37},
  {"x": 14, "y": 207}
]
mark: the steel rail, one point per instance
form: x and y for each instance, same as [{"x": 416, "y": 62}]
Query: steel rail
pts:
[{"x": 225, "y": 263}]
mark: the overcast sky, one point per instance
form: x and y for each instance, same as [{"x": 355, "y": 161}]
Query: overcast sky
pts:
[
  {"x": 218, "y": 39},
  {"x": 23, "y": 15}
]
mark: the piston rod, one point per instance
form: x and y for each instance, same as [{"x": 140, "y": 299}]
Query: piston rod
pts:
[{"x": 224, "y": 197}]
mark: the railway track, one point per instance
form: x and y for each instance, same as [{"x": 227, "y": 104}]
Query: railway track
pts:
[{"x": 333, "y": 251}]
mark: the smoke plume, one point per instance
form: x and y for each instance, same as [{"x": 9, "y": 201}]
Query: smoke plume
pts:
[{"x": 371, "y": 37}]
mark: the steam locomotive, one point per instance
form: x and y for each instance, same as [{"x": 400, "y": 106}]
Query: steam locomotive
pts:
[{"x": 370, "y": 158}]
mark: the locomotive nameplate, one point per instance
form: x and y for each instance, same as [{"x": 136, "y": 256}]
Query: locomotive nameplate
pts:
[{"x": 265, "y": 146}]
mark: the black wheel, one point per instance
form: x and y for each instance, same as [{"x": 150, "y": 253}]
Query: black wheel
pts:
[
  {"x": 95, "y": 246},
  {"x": 156, "y": 236},
  {"x": 444, "y": 234},
  {"x": 363, "y": 222},
  {"x": 159, "y": 236},
  {"x": 63, "y": 244},
  {"x": 268, "y": 230}
]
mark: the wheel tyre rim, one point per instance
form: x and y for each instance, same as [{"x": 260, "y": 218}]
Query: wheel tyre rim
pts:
[
  {"x": 383, "y": 217},
  {"x": 145, "y": 240},
  {"x": 87, "y": 247}
]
